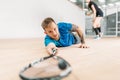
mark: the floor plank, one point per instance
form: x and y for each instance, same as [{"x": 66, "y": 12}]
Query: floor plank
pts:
[{"x": 99, "y": 62}]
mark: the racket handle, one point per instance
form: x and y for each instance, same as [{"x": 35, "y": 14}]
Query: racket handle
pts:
[
  {"x": 48, "y": 56},
  {"x": 54, "y": 51},
  {"x": 52, "y": 55}
]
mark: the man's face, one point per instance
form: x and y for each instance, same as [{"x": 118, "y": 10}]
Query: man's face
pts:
[{"x": 52, "y": 31}]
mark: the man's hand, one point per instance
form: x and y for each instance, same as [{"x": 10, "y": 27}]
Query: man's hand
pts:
[
  {"x": 50, "y": 49},
  {"x": 83, "y": 46}
]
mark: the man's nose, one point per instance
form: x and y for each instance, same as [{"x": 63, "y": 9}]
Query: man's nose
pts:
[{"x": 54, "y": 33}]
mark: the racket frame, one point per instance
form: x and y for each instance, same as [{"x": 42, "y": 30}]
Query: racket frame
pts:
[{"x": 65, "y": 72}]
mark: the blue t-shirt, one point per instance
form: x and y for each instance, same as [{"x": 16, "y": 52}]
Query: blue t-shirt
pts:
[{"x": 66, "y": 36}]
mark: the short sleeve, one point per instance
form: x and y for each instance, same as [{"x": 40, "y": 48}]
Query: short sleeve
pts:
[
  {"x": 47, "y": 41},
  {"x": 50, "y": 40},
  {"x": 65, "y": 27}
]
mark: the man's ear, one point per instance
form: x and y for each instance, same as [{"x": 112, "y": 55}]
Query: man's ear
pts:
[{"x": 45, "y": 32}]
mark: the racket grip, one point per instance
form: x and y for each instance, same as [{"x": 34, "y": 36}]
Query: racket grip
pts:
[
  {"x": 52, "y": 55},
  {"x": 48, "y": 56},
  {"x": 54, "y": 51}
]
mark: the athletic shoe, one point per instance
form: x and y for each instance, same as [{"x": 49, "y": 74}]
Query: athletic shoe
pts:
[{"x": 97, "y": 37}]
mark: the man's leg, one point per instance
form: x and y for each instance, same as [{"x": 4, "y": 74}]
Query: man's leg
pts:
[{"x": 77, "y": 38}]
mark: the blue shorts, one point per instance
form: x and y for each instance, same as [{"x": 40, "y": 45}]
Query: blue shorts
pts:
[{"x": 76, "y": 37}]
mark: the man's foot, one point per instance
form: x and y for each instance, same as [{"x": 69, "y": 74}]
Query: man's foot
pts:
[{"x": 97, "y": 37}]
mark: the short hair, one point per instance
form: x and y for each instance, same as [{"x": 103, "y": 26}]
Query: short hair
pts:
[{"x": 46, "y": 22}]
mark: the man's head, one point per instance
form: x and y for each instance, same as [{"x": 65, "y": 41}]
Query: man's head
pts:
[{"x": 50, "y": 28}]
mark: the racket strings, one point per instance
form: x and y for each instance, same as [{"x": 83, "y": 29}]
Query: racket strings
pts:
[{"x": 45, "y": 68}]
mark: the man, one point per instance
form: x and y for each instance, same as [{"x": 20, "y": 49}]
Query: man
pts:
[{"x": 61, "y": 35}]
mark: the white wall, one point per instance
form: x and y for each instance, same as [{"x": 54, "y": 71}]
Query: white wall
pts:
[
  {"x": 22, "y": 18},
  {"x": 112, "y": 10}
]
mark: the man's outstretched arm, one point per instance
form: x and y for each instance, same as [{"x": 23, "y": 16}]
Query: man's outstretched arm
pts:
[
  {"x": 77, "y": 29},
  {"x": 50, "y": 48}
]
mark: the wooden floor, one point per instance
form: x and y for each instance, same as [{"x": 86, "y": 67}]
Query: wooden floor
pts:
[{"x": 100, "y": 62}]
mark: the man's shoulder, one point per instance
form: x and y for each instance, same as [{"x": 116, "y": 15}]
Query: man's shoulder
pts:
[
  {"x": 47, "y": 37},
  {"x": 61, "y": 24},
  {"x": 48, "y": 40}
]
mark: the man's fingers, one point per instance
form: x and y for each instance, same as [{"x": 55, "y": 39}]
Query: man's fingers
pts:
[
  {"x": 83, "y": 46},
  {"x": 55, "y": 51}
]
